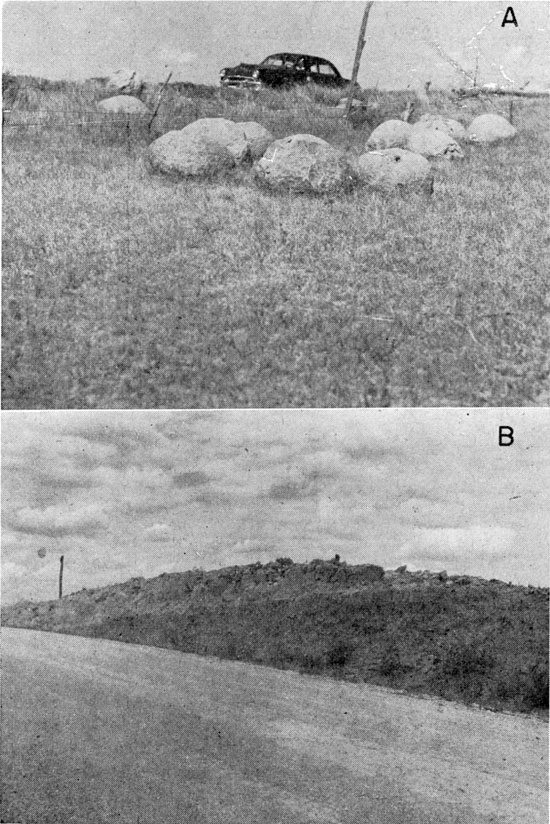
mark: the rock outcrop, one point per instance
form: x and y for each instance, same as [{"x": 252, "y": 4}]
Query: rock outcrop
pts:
[
  {"x": 180, "y": 155},
  {"x": 391, "y": 169},
  {"x": 489, "y": 128},
  {"x": 433, "y": 143},
  {"x": 392, "y": 134},
  {"x": 303, "y": 163}
]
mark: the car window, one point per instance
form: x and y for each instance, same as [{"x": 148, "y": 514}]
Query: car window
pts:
[
  {"x": 314, "y": 68},
  {"x": 326, "y": 68},
  {"x": 277, "y": 60},
  {"x": 301, "y": 64}
]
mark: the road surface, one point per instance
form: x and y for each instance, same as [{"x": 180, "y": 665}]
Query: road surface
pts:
[{"x": 99, "y": 731}]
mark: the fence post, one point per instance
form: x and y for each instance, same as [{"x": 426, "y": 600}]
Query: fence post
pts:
[
  {"x": 358, "y": 52},
  {"x": 160, "y": 99},
  {"x": 61, "y": 576}
]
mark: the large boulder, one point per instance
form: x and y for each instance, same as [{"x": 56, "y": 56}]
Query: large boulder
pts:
[
  {"x": 178, "y": 155},
  {"x": 303, "y": 163},
  {"x": 257, "y": 137},
  {"x": 451, "y": 127},
  {"x": 222, "y": 132},
  {"x": 123, "y": 104},
  {"x": 126, "y": 81},
  {"x": 434, "y": 143},
  {"x": 488, "y": 128},
  {"x": 389, "y": 135},
  {"x": 391, "y": 169}
]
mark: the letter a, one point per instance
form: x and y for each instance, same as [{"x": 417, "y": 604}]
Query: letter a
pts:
[{"x": 512, "y": 19}]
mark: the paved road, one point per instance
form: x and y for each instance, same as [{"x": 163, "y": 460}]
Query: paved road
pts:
[{"x": 97, "y": 731}]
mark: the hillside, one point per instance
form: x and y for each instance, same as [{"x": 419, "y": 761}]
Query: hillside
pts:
[{"x": 459, "y": 637}]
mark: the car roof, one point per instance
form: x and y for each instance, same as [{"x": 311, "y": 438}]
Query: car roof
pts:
[{"x": 298, "y": 55}]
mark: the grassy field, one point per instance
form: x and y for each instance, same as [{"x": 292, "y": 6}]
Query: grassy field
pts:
[{"x": 124, "y": 290}]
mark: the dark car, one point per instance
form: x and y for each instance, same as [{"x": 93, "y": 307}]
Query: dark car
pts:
[{"x": 283, "y": 70}]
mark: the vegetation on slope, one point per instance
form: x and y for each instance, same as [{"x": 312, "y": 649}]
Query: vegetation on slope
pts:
[{"x": 458, "y": 637}]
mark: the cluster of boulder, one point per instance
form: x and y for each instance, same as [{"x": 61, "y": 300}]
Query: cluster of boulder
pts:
[
  {"x": 206, "y": 147},
  {"x": 397, "y": 154}
]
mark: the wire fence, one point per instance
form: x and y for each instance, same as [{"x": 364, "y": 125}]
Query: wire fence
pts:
[
  {"x": 177, "y": 113},
  {"x": 16, "y": 117},
  {"x": 65, "y": 118}
]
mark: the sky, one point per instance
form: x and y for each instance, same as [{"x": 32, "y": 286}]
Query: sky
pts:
[
  {"x": 407, "y": 43},
  {"x": 124, "y": 494}
]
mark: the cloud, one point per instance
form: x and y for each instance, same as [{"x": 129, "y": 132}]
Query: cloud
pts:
[
  {"x": 173, "y": 58},
  {"x": 458, "y": 548},
  {"x": 308, "y": 486},
  {"x": 10, "y": 571},
  {"x": 287, "y": 491},
  {"x": 432, "y": 514},
  {"x": 189, "y": 479},
  {"x": 56, "y": 521},
  {"x": 158, "y": 533}
]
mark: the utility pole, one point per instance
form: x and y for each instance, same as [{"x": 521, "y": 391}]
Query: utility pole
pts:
[
  {"x": 61, "y": 576},
  {"x": 358, "y": 52}
]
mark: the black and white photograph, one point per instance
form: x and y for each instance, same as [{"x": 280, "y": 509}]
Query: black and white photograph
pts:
[
  {"x": 275, "y": 436},
  {"x": 325, "y": 616},
  {"x": 275, "y": 204}
]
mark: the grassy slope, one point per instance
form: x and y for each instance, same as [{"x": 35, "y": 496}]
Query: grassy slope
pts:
[
  {"x": 122, "y": 290},
  {"x": 461, "y": 638}
]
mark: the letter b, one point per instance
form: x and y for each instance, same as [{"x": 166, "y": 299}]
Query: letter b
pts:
[{"x": 505, "y": 436}]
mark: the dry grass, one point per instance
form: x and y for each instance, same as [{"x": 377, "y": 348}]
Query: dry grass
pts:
[{"x": 123, "y": 290}]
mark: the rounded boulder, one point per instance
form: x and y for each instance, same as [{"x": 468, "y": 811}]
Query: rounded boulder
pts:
[
  {"x": 394, "y": 169},
  {"x": 222, "y": 132},
  {"x": 434, "y": 143},
  {"x": 303, "y": 163},
  {"x": 257, "y": 137},
  {"x": 451, "y": 127},
  {"x": 392, "y": 134},
  {"x": 123, "y": 104},
  {"x": 489, "y": 128},
  {"x": 180, "y": 155}
]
